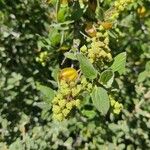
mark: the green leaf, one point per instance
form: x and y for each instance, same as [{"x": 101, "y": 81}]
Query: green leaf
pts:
[
  {"x": 77, "y": 12},
  {"x": 87, "y": 68},
  {"x": 100, "y": 100},
  {"x": 119, "y": 63},
  {"x": 142, "y": 76},
  {"x": 55, "y": 37},
  {"x": 89, "y": 113},
  {"x": 55, "y": 72},
  {"x": 147, "y": 66},
  {"x": 99, "y": 13},
  {"x": 70, "y": 56},
  {"x": 47, "y": 93},
  {"x": 62, "y": 14},
  {"x": 18, "y": 144},
  {"x": 112, "y": 34},
  {"x": 53, "y": 2},
  {"x": 107, "y": 78},
  {"x": 41, "y": 105},
  {"x": 40, "y": 45}
]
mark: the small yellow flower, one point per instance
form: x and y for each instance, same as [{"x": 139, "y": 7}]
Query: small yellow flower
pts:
[
  {"x": 66, "y": 112},
  {"x": 77, "y": 103},
  {"x": 69, "y": 105},
  {"x": 59, "y": 117},
  {"x": 56, "y": 109},
  {"x": 116, "y": 111},
  {"x": 83, "y": 48},
  {"x": 62, "y": 103}
]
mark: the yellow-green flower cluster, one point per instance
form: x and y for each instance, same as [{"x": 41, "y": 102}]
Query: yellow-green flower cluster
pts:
[
  {"x": 99, "y": 47},
  {"x": 119, "y": 6},
  {"x": 117, "y": 107},
  {"x": 67, "y": 98},
  {"x": 62, "y": 107},
  {"x": 42, "y": 58}
]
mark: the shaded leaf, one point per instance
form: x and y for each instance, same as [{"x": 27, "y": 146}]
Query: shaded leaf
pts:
[
  {"x": 55, "y": 72},
  {"x": 47, "y": 93},
  {"x": 89, "y": 113},
  {"x": 147, "y": 66},
  {"x": 107, "y": 78},
  {"x": 70, "y": 56},
  {"x": 142, "y": 76},
  {"x": 55, "y": 37}
]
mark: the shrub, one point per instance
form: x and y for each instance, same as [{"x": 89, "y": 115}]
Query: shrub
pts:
[{"x": 74, "y": 74}]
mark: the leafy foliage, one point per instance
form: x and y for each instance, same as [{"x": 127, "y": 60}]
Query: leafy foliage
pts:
[{"x": 66, "y": 34}]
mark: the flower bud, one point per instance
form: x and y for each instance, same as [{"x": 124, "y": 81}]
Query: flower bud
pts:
[
  {"x": 56, "y": 109},
  {"x": 62, "y": 103}
]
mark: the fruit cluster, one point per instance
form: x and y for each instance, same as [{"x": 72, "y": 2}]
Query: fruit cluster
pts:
[
  {"x": 67, "y": 96},
  {"x": 116, "y": 106},
  {"x": 98, "y": 48},
  {"x": 42, "y": 58}
]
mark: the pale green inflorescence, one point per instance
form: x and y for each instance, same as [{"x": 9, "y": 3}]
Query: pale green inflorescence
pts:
[
  {"x": 118, "y": 7},
  {"x": 116, "y": 106},
  {"x": 99, "y": 47},
  {"x": 42, "y": 58},
  {"x": 67, "y": 99}
]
